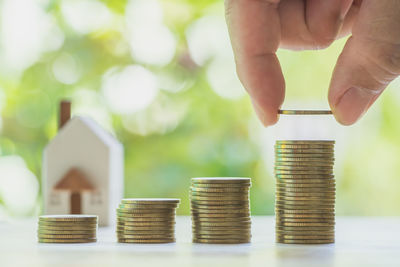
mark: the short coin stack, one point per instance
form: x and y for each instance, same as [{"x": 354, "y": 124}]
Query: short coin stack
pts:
[
  {"x": 220, "y": 210},
  {"x": 146, "y": 220},
  {"x": 305, "y": 192},
  {"x": 67, "y": 229}
]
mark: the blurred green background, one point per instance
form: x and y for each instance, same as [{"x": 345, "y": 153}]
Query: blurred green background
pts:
[{"x": 159, "y": 75}]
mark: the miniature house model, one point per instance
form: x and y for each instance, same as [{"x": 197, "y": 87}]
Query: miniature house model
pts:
[{"x": 82, "y": 169}]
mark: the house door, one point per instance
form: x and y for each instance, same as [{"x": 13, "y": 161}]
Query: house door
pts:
[{"x": 75, "y": 203}]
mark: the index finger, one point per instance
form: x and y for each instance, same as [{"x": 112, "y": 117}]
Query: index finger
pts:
[{"x": 254, "y": 30}]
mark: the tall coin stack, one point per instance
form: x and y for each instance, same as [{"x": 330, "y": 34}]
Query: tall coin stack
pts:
[
  {"x": 146, "y": 220},
  {"x": 67, "y": 229},
  {"x": 305, "y": 192},
  {"x": 220, "y": 210}
]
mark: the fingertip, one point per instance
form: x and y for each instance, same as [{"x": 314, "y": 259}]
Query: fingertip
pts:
[{"x": 267, "y": 117}]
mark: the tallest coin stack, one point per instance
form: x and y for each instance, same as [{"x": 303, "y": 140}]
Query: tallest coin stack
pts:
[{"x": 305, "y": 192}]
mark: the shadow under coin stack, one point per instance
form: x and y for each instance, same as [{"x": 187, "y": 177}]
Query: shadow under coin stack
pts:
[
  {"x": 67, "y": 229},
  {"x": 146, "y": 220},
  {"x": 220, "y": 210},
  {"x": 305, "y": 192}
]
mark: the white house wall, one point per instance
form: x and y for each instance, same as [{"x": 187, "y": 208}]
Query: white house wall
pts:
[{"x": 78, "y": 146}]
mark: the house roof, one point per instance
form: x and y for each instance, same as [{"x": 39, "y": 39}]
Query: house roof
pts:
[
  {"x": 85, "y": 122},
  {"x": 74, "y": 181}
]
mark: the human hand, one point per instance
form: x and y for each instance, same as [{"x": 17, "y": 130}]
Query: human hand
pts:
[{"x": 369, "y": 61}]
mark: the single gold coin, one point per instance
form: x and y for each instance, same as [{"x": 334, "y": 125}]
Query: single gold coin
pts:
[
  {"x": 146, "y": 215},
  {"x": 302, "y": 241},
  {"x": 306, "y": 211},
  {"x": 220, "y": 215},
  {"x": 302, "y": 232},
  {"x": 305, "y": 112},
  {"x": 305, "y": 168},
  {"x": 219, "y": 202},
  {"x": 68, "y": 228},
  {"x": 169, "y": 206},
  {"x": 220, "y": 190},
  {"x": 170, "y": 218},
  {"x": 304, "y": 188},
  {"x": 144, "y": 232},
  {"x": 65, "y": 236},
  {"x": 305, "y": 237},
  {"x": 304, "y": 163},
  {"x": 219, "y": 194},
  {"x": 304, "y": 177},
  {"x": 221, "y": 241},
  {"x": 147, "y": 224},
  {"x": 317, "y": 160},
  {"x": 306, "y": 215},
  {"x": 63, "y": 232},
  {"x": 199, "y": 233},
  {"x": 68, "y": 225},
  {"x": 80, "y": 240},
  {"x": 220, "y": 198},
  {"x": 146, "y": 236},
  {"x": 145, "y": 228},
  {"x": 306, "y": 224},
  {"x": 305, "y": 207},
  {"x": 308, "y": 198},
  {"x": 322, "y": 181},
  {"x": 223, "y": 218},
  {"x": 150, "y": 201},
  {"x": 146, "y": 211},
  {"x": 221, "y": 180},
  {"x": 305, "y": 220},
  {"x": 296, "y": 142},
  {"x": 227, "y": 186},
  {"x": 305, "y": 228},
  {"x": 222, "y": 207},
  {"x": 68, "y": 218},
  {"x": 327, "y": 150},
  {"x": 219, "y": 224},
  {"x": 220, "y": 211},
  {"x": 222, "y": 236},
  {"x": 146, "y": 241}
]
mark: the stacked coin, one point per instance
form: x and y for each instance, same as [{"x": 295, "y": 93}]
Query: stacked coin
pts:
[
  {"x": 220, "y": 210},
  {"x": 67, "y": 229},
  {"x": 305, "y": 192},
  {"x": 146, "y": 220}
]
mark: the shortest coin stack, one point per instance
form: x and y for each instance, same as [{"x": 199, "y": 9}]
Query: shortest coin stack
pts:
[
  {"x": 67, "y": 229},
  {"x": 146, "y": 220},
  {"x": 220, "y": 210}
]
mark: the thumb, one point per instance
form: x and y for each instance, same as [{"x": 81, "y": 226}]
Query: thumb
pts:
[{"x": 369, "y": 62}]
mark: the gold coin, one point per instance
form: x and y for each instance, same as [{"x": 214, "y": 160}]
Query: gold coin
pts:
[
  {"x": 60, "y": 224},
  {"x": 283, "y": 185},
  {"x": 304, "y": 164},
  {"x": 306, "y": 224},
  {"x": 305, "y": 159},
  {"x": 68, "y": 218},
  {"x": 68, "y": 228},
  {"x": 72, "y": 236},
  {"x": 246, "y": 232},
  {"x": 323, "y": 181},
  {"x": 313, "y": 199},
  {"x": 305, "y": 241},
  {"x": 305, "y": 146},
  {"x": 148, "y": 206},
  {"x": 305, "y": 112},
  {"x": 81, "y": 240},
  {"x": 304, "y": 237},
  {"x": 148, "y": 241},
  {"x": 146, "y": 215},
  {"x": 305, "y": 207},
  {"x": 312, "y": 172},
  {"x": 150, "y": 201},
  {"x": 220, "y": 218},
  {"x": 144, "y": 232},
  {"x": 227, "y": 211},
  {"x": 219, "y": 203},
  {"x": 220, "y": 198},
  {"x": 161, "y": 220},
  {"x": 220, "y": 215},
  {"x": 306, "y": 211},
  {"x": 283, "y": 151},
  {"x": 221, "y": 180},
  {"x": 217, "y": 223},
  {"x": 63, "y": 232},
  {"x": 227, "y": 186},
  {"x": 146, "y": 236},
  {"x": 223, "y": 236},
  {"x": 307, "y": 215},
  {"x": 306, "y": 194},
  {"x": 305, "y": 228},
  {"x": 223, "y": 207},
  {"x": 322, "y": 202},
  {"x": 305, "y": 189},
  {"x": 304, "y": 177},
  {"x": 146, "y": 211},
  {"x": 297, "y": 142},
  {"x": 302, "y": 232},
  {"x": 146, "y": 228},
  {"x": 220, "y": 190},
  {"x": 220, "y": 241},
  {"x": 219, "y": 194},
  {"x": 305, "y": 168},
  {"x": 305, "y": 220}
]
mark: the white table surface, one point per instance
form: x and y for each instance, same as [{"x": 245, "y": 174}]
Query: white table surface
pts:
[{"x": 360, "y": 241}]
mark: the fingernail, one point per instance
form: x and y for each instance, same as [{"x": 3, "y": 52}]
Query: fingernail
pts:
[
  {"x": 346, "y": 4},
  {"x": 265, "y": 119},
  {"x": 353, "y": 104}
]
